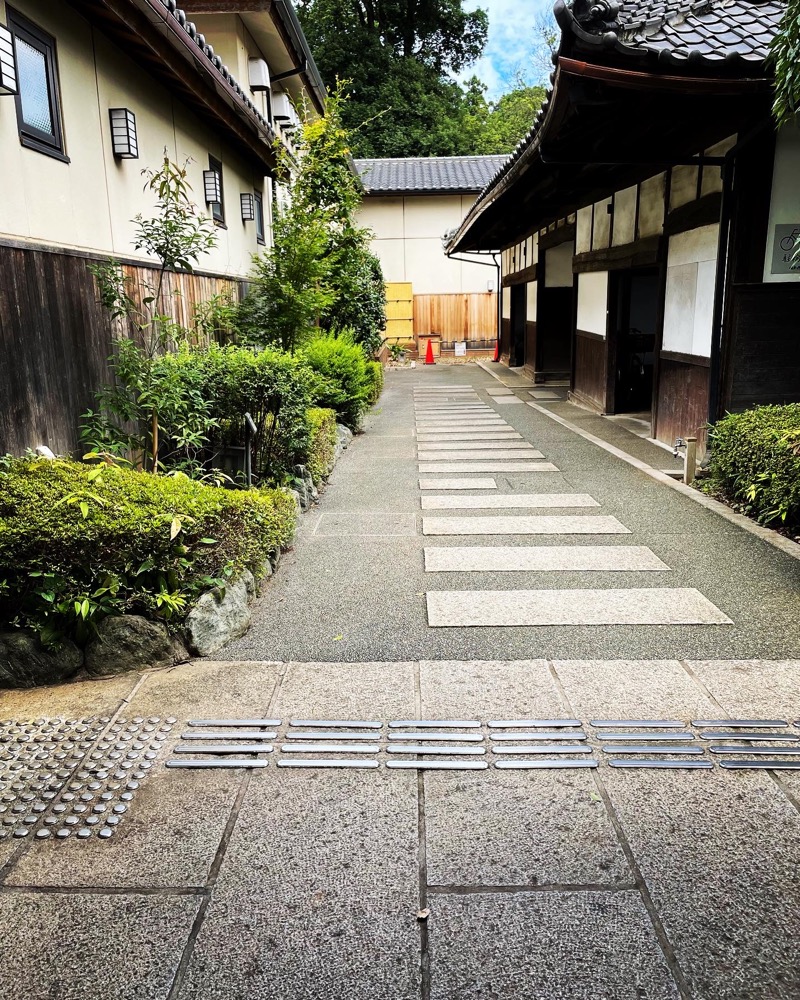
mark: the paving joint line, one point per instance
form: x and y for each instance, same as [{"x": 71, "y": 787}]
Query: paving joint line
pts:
[
  {"x": 647, "y": 900},
  {"x": 105, "y": 890},
  {"x": 219, "y": 858},
  {"x": 27, "y": 843},
  {"x": 715, "y": 506},
  {"x": 422, "y": 858},
  {"x": 554, "y": 887}
]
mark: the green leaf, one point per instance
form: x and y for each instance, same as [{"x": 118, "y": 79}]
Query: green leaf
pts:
[
  {"x": 84, "y": 508},
  {"x": 175, "y": 528}
]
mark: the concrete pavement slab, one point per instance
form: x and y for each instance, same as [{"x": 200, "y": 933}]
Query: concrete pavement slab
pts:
[
  {"x": 508, "y": 501},
  {"x": 458, "y": 484},
  {"x": 544, "y": 558},
  {"x": 477, "y": 455},
  {"x": 539, "y": 524},
  {"x": 547, "y": 945},
  {"x": 347, "y": 691},
  {"x": 85, "y": 698},
  {"x": 109, "y": 947}
]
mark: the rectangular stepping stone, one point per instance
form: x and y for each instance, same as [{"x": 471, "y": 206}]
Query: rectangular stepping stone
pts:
[
  {"x": 544, "y": 394},
  {"x": 466, "y": 423},
  {"x": 483, "y": 454},
  {"x": 459, "y": 436},
  {"x": 517, "y": 446},
  {"x": 493, "y": 466},
  {"x": 542, "y": 558},
  {"x": 508, "y": 399},
  {"x": 538, "y": 524},
  {"x": 656, "y": 606},
  {"x": 457, "y": 484},
  {"x": 509, "y": 501},
  {"x": 500, "y": 392}
]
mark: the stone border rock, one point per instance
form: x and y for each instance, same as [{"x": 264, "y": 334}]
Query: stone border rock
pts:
[{"x": 130, "y": 642}]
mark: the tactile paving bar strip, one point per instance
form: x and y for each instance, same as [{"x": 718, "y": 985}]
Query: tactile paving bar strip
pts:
[
  {"x": 789, "y": 751},
  {"x": 760, "y": 765},
  {"x": 787, "y": 737},
  {"x": 434, "y": 724},
  {"x": 334, "y": 724},
  {"x": 324, "y": 762},
  {"x": 445, "y": 751},
  {"x": 677, "y": 748},
  {"x": 200, "y": 764},
  {"x": 676, "y": 737},
  {"x": 233, "y": 723},
  {"x": 637, "y": 723},
  {"x": 219, "y": 748},
  {"x": 330, "y": 748},
  {"x": 256, "y": 735},
  {"x": 438, "y": 765},
  {"x": 320, "y": 734},
  {"x": 740, "y": 723},
  {"x": 527, "y": 765},
  {"x": 543, "y": 748},
  {"x": 534, "y": 724},
  {"x": 696, "y": 765},
  {"x": 541, "y": 735},
  {"x": 453, "y": 737}
]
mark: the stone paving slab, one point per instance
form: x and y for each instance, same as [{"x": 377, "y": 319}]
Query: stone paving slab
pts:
[
  {"x": 508, "y": 501},
  {"x": 95, "y": 697},
  {"x": 487, "y": 455},
  {"x": 107, "y": 947},
  {"x": 550, "y": 558},
  {"x": 539, "y": 524},
  {"x": 461, "y": 446},
  {"x": 548, "y": 946},
  {"x": 458, "y": 484},
  {"x": 488, "y": 466},
  {"x": 457, "y": 436}
]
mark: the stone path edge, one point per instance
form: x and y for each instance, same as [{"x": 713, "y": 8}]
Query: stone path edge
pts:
[{"x": 765, "y": 534}]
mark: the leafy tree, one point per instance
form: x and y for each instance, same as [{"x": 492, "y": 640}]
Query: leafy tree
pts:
[
  {"x": 786, "y": 60},
  {"x": 509, "y": 119}
]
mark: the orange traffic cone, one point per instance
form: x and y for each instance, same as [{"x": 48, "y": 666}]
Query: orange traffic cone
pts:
[
  {"x": 496, "y": 351},
  {"x": 429, "y": 354}
]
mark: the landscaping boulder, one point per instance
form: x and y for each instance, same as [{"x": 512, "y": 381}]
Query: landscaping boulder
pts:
[
  {"x": 220, "y": 616},
  {"x": 25, "y": 662},
  {"x": 343, "y": 438},
  {"x": 129, "y": 642}
]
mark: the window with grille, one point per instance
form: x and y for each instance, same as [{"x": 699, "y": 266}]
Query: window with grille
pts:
[{"x": 38, "y": 106}]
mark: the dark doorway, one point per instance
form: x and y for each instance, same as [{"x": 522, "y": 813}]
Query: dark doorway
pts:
[
  {"x": 635, "y": 303},
  {"x": 519, "y": 309},
  {"x": 554, "y": 332}
]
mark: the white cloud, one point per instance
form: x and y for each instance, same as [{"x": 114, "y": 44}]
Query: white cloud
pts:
[{"x": 511, "y": 43}]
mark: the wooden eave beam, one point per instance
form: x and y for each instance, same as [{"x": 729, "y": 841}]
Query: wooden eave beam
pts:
[{"x": 157, "y": 40}]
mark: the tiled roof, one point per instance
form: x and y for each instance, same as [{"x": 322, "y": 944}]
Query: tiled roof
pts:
[{"x": 432, "y": 173}]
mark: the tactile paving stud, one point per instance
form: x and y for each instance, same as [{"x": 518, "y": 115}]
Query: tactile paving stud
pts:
[
  {"x": 330, "y": 747},
  {"x": 434, "y": 737},
  {"x": 760, "y": 765},
  {"x": 637, "y": 723},
  {"x": 438, "y": 765},
  {"x": 434, "y": 724},
  {"x": 664, "y": 764},
  {"x": 233, "y": 723},
  {"x": 740, "y": 723},
  {"x": 335, "y": 724},
  {"x": 534, "y": 724},
  {"x": 542, "y": 748},
  {"x": 788, "y": 751},
  {"x": 677, "y": 748},
  {"x": 543, "y": 764},
  {"x": 420, "y": 748},
  {"x": 247, "y": 735},
  {"x": 542, "y": 734},
  {"x": 681, "y": 737},
  {"x": 324, "y": 762},
  {"x": 293, "y": 734},
  {"x": 222, "y": 748},
  {"x": 766, "y": 737},
  {"x": 227, "y": 763}
]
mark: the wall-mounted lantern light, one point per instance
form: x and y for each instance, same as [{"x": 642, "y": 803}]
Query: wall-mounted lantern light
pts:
[
  {"x": 248, "y": 207},
  {"x": 212, "y": 185},
  {"x": 8, "y": 63},
  {"x": 123, "y": 134}
]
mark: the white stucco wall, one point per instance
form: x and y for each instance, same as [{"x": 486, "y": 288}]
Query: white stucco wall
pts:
[
  {"x": 689, "y": 303},
  {"x": 407, "y": 239},
  {"x": 593, "y": 302},
  {"x": 558, "y": 266},
  {"x": 532, "y": 300},
  {"x": 785, "y": 203},
  {"x": 88, "y": 203}
]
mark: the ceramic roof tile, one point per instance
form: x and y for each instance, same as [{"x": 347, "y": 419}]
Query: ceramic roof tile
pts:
[{"x": 434, "y": 173}]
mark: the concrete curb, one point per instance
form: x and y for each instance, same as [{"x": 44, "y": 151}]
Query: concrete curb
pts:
[{"x": 765, "y": 534}]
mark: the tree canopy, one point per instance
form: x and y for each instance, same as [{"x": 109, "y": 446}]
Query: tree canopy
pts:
[{"x": 786, "y": 58}]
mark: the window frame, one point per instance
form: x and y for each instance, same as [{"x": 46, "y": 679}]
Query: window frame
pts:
[
  {"x": 261, "y": 232},
  {"x": 218, "y": 207},
  {"x": 49, "y": 143}
]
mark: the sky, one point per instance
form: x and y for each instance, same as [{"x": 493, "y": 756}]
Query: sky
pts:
[{"x": 512, "y": 37}]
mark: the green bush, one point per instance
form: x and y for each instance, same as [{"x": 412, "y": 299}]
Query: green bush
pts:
[
  {"x": 755, "y": 461},
  {"x": 80, "y": 542},
  {"x": 322, "y": 448},
  {"x": 374, "y": 382},
  {"x": 341, "y": 372}
]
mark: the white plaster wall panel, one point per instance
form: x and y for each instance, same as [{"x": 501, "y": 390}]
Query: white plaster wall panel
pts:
[
  {"x": 683, "y": 186},
  {"x": 476, "y": 277},
  {"x": 624, "y": 216},
  {"x": 531, "y": 298},
  {"x": 431, "y": 216},
  {"x": 583, "y": 230},
  {"x": 693, "y": 246},
  {"x": 506, "y": 303},
  {"x": 535, "y": 251},
  {"x": 679, "y": 304},
  {"x": 785, "y": 202},
  {"x": 593, "y": 302},
  {"x": 428, "y": 270},
  {"x": 651, "y": 206},
  {"x": 391, "y": 254},
  {"x": 384, "y": 216},
  {"x": 602, "y": 225},
  {"x": 558, "y": 266},
  {"x": 704, "y": 308},
  {"x": 712, "y": 176}
]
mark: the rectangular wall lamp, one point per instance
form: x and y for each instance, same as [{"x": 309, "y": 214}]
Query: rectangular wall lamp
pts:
[
  {"x": 124, "y": 140},
  {"x": 248, "y": 207},
  {"x": 8, "y": 63},
  {"x": 212, "y": 185}
]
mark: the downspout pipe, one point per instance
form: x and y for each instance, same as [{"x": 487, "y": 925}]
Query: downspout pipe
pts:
[{"x": 496, "y": 263}]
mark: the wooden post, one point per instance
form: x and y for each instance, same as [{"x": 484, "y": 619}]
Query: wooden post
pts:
[{"x": 690, "y": 461}]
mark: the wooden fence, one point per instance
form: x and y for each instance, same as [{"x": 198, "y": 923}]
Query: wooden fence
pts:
[{"x": 457, "y": 317}]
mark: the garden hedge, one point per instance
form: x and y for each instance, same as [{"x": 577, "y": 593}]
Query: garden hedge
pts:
[
  {"x": 341, "y": 377},
  {"x": 322, "y": 449},
  {"x": 79, "y": 542},
  {"x": 755, "y": 462},
  {"x": 374, "y": 376}
]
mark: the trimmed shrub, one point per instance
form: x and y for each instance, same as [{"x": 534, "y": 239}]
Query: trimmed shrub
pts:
[
  {"x": 322, "y": 448},
  {"x": 80, "y": 542},
  {"x": 374, "y": 382},
  {"x": 755, "y": 462},
  {"x": 341, "y": 371}
]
